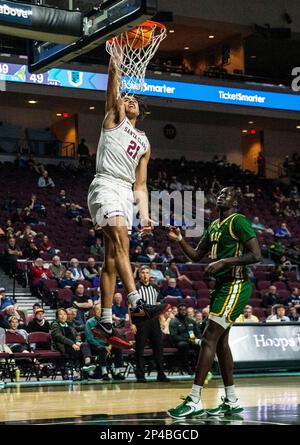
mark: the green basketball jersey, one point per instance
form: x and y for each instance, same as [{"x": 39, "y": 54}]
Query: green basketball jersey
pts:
[{"x": 226, "y": 240}]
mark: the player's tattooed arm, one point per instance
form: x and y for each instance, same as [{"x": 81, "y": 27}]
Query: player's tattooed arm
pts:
[
  {"x": 193, "y": 254},
  {"x": 253, "y": 255},
  {"x": 114, "y": 106}
]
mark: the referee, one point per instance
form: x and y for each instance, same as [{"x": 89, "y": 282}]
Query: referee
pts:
[{"x": 148, "y": 330}]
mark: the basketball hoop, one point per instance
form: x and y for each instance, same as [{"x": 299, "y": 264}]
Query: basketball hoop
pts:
[{"x": 132, "y": 51}]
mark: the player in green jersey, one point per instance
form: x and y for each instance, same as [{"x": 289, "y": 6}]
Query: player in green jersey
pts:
[{"x": 231, "y": 244}]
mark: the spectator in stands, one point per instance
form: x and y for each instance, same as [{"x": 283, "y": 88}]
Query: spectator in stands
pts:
[
  {"x": 38, "y": 323},
  {"x": 75, "y": 270},
  {"x": 293, "y": 314},
  {"x": 152, "y": 255},
  {"x": 278, "y": 195},
  {"x": 185, "y": 335},
  {"x": 38, "y": 275},
  {"x": 119, "y": 311},
  {"x": 90, "y": 271},
  {"x": 276, "y": 209},
  {"x": 247, "y": 316},
  {"x": 279, "y": 314},
  {"x": 47, "y": 247},
  {"x": 5, "y": 300},
  {"x": 45, "y": 181},
  {"x": 190, "y": 312},
  {"x": 10, "y": 231},
  {"x": 293, "y": 299},
  {"x": 73, "y": 320},
  {"x": 138, "y": 255},
  {"x": 165, "y": 321},
  {"x": 96, "y": 280},
  {"x": 67, "y": 281},
  {"x": 57, "y": 269},
  {"x": 167, "y": 256},
  {"x": 63, "y": 200},
  {"x": 174, "y": 310},
  {"x": 11, "y": 311},
  {"x": 19, "y": 216},
  {"x": 271, "y": 297},
  {"x": 278, "y": 275},
  {"x": 158, "y": 277},
  {"x": 31, "y": 251},
  {"x": 102, "y": 349},
  {"x": 261, "y": 165},
  {"x": 172, "y": 271},
  {"x": 82, "y": 302},
  {"x": 83, "y": 152},
  {"x": 294, "y": 194},
  {"x": 36, "y": 206},
  {"x": 257, "y": 225},
  {"x": 97, "y": 250},
  {"x": 28, "y": 234},
  {"x": 91, "y": 238},
  {"x": 10, "y": 257},
  {"x": 31, "y": 316},
  {"x": 68, "y": 342},
  {"x": 288, "y": 212},
  {"x": 75, "y": 213},
  {"x": 285, "y": 263},
  {"x": 175, "y": 184},
  {"x": 15, "y": 327},
  {"x": 198, "y": 317},
  {"x": 172, "y": 290},
  {"x": 283, "y": 232}
]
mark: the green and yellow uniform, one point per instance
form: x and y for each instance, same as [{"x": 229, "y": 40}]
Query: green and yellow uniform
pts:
[{"x": 233, "y": 287}]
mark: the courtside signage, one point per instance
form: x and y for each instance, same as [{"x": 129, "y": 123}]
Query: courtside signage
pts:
[
  {"x": 156, "y": 88},
  {"x": 15, "y": 13}
]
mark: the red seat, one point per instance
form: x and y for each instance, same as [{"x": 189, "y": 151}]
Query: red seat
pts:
[
  {"x": 200, "y": 285},
  {"x": 173, "y": 301},
  {"x": 64, "y": 296},
  {"x": 263, "y": 284},
  {"x": 280, "y": 285}
]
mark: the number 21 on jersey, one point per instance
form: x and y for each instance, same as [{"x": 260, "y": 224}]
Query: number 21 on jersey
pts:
[{"x": 133, "y": 149}]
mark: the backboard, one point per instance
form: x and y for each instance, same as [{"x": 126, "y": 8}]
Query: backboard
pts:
[{"x": 109, "y": 19}]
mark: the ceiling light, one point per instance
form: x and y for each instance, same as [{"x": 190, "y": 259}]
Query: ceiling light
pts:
[
  {"x": 58, "y": 114},
  {"x": 92, "y": 108},
  {"x": 298, "y": 127},
  {"x": 245, "y": 131},
  {"x": 211, "y": 37},
  {"x": 250, "y": 122},
  {"x": 32, "y": 101},
  {"x": 252, "y": 57},
  {"x": 171, "y": 31},
  {"x": 186, "y": 47}
]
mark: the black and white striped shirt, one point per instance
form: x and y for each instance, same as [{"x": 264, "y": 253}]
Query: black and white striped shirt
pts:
[{"x": 150, "y": 293}]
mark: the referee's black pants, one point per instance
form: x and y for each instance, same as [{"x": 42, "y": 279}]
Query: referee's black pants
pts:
[{"x": 148, "y": 330}]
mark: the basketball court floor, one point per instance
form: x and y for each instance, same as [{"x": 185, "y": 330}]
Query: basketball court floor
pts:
[{"x": 270, "y": 400}]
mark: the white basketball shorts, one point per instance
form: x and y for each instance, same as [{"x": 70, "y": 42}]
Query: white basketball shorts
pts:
[{"x": 108, "y": 198}]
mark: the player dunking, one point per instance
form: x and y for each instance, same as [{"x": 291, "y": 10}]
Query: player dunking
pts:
[
  {"x": 232, "y": 244},
  {"x": 122, "y": 159}
]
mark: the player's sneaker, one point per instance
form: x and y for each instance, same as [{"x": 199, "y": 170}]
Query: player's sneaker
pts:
[
  {"x": 187, "y": 409},
  {"x": 106, "y": 331},
  {"x": 226, "y": 408},
  {"x": 149, "y": 311}
]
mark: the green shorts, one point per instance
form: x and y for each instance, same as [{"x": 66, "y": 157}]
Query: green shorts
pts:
[{"x": 228, "y": 299}]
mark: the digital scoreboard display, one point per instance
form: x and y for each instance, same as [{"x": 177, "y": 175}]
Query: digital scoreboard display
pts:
[{"x": 156, "y": 87}]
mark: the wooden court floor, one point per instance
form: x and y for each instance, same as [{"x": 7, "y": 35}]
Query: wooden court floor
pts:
[{"x": 267, "y": 400}]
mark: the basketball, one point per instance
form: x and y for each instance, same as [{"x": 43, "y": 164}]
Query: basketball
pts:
[{"x": 139, "y": 37}]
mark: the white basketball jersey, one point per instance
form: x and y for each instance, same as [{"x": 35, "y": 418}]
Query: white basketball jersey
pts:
[{"x": 120, "y": 150}]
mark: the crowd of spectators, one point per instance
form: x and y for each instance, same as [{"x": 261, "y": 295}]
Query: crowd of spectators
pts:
[{"x": 28, "y": 233}]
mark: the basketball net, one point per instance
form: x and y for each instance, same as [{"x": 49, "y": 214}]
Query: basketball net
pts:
[{"x": 131, "y": 61}]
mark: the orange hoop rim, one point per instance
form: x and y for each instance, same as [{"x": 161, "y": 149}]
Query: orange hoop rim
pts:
[{"x": 146, "y": 25}]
